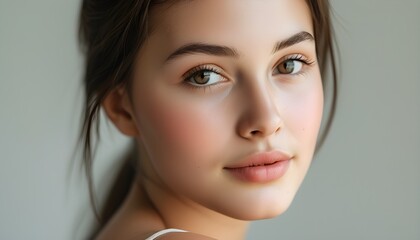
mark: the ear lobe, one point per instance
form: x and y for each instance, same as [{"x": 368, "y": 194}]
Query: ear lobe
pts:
[{"x": 118, "y": 108}]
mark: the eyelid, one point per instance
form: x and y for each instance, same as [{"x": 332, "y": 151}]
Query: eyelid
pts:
[
  {"x": 296, "y": 56},
  {"x": 204, "y": 67},
  {"x": 305, "y": 61}
]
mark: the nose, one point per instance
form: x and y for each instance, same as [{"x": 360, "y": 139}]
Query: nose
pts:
[{"x": 260, "y": 117}]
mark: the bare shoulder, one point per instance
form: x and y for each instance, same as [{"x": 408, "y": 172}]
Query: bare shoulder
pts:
[
  {"x": 182, "y": 236},
  {"x": 185, "y": 236}
]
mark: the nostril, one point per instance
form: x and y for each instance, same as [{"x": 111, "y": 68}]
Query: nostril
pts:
[{"x": 255, "y": 132}]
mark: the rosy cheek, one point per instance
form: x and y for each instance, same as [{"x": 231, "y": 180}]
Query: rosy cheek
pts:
[
  {"x": 186, "y": 130},
  {"x": 303, "y": 117}
]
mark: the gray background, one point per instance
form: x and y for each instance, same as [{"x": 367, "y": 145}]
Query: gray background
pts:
[{"x": 364, "y": 183}]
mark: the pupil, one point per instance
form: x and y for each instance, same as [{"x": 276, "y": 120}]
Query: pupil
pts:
[
  {"x": 289, "y": 66},
  {"x": 202, "y": 77}
]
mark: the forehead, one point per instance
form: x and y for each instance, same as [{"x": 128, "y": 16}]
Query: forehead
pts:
[{"x": 230, "y": 21}]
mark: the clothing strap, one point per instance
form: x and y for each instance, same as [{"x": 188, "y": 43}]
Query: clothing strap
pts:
[{"x": 162, "y": 232}]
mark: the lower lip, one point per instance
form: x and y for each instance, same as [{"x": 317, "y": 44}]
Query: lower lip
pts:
[{"x": 261, "y": 174}]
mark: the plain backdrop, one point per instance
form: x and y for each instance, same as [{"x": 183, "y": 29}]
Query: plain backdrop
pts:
[{"x": 363, "y": 184}]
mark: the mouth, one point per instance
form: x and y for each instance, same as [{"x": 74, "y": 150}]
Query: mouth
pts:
[
  {"x": 264, "y": 164},
  {"x": 261, "y": 167}
]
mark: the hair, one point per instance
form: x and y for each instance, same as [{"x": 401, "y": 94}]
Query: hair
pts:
[{"x": 110, "y": 35}]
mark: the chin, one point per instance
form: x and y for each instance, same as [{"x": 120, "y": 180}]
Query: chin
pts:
[
  {"x": 266, "y": 212},
  {"x": 254, "y": 215},
  {"x": 258, "y": 209}
]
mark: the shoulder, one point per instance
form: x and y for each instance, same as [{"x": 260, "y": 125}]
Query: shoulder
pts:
[
  {"x": 174, "y": 236},
  {"x": 184, "y": 236}
]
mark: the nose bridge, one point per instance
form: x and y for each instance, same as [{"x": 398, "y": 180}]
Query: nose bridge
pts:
[
  {"x": 261, "y": 115},
  {"x": 263, "y": 99}
]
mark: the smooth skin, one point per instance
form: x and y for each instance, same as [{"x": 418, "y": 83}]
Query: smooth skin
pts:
[{"x": 190, "y": 125}]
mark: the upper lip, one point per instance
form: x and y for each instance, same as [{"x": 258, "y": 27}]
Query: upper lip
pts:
[{"x": 260, "y": 159}]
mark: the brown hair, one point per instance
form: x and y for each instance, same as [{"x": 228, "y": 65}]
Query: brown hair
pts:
[{"x": 111, "y": 34}]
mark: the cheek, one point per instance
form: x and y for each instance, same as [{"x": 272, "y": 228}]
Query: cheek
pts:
[
  {"x": 304, "y": 117},
  {"x": 176, "y": 130}
]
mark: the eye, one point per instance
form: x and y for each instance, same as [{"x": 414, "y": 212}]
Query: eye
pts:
[
  {"x": 203, "y": 76},
  {"x": 290, "y": 67}
]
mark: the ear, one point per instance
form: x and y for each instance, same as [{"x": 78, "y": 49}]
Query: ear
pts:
[{"x": 118, "y": 108}]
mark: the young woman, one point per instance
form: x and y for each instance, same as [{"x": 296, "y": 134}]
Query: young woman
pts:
[{"x": 224, "y": 99}]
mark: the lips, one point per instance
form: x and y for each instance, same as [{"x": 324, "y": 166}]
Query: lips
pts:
[{"x": 261, "y": 167}]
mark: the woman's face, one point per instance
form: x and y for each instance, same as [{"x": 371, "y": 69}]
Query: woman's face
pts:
[{"x": 221, "y": 86}]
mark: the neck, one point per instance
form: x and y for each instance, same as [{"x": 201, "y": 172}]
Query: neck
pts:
[{"x": 177, "y": 212}]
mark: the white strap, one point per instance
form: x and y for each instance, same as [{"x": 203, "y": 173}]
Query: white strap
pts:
[{"x": 164, "y": 231}]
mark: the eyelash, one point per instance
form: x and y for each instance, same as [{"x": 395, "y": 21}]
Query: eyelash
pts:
[
  {"x": 296, "y": 57},
  {"x": 208, "y": 68},
  {"x": 198, "y": 69},
  {"x": 194, "y": 71},
  {"x": 300, "y": 57}
]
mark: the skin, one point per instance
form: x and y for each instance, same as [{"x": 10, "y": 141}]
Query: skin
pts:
[{"x": 187, "y": 136}]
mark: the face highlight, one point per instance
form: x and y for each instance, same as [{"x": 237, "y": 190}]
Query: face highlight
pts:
[{"x": 218, "y": 81}]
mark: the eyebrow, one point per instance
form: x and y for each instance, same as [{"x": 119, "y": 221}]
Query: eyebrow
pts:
[
  {"x": 293, "y": 40},
  {"x": 224, "y": 51}
]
